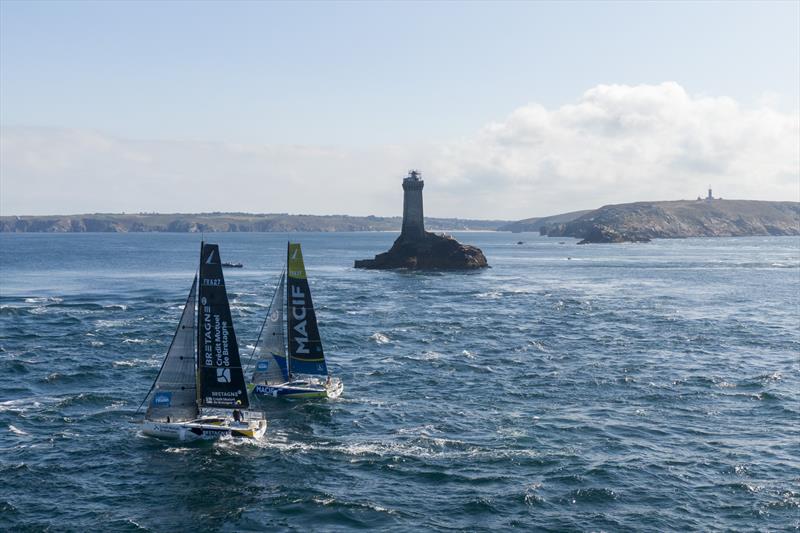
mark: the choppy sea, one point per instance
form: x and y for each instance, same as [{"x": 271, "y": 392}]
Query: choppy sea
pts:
[{"x": 644, "y": 387}]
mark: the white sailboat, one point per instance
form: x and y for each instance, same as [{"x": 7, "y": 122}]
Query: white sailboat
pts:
[
  {"x": 292, "y": 365},
  {"x": 200, "y": 390}
]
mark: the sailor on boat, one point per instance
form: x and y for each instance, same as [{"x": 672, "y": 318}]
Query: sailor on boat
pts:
[
  {"x": 201, "y": 378},
  {"x": 290, "y": 361}
]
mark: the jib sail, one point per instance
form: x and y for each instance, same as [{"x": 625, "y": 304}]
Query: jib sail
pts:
[
  {"x": 270, "y": 349},
  {"x": 174, "y": 392},
  {"x": 304, "y": 346},
  {"x": 220, "y": 378}
]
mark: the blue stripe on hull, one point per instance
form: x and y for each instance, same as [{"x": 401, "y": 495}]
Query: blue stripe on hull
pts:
[{"x": 288, "y": 392}]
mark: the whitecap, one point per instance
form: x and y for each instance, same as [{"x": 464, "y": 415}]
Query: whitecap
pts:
[
  {"x": 22, "y": 404},
  {"x": 285, "y": 446},
  {"x": 379, "y": 338},
  {"x": 177, "y": 450},
  {"x": 491, "y": 295},
  {"x": 538, "y": 345},
  {"x": 16, "y": 431},
  {"x": 110, "y": 323},
  {"x": 367, "y": 505},
  {"x": 416, "y": 430}
]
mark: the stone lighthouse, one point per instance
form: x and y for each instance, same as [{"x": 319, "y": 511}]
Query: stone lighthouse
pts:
[
  {"x": 416, "y": 248},
  {"x": 413, "y": 221}
]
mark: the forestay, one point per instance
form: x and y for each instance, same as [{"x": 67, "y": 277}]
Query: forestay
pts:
[{"x": 174, "y": 392}]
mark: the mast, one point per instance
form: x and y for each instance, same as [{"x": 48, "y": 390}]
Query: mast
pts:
[
  {"x": 288, "y": 332},
  {"x": 199, "y": 331}
]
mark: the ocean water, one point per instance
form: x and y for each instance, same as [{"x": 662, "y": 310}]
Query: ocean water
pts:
[{"x": 643, "y": 387}]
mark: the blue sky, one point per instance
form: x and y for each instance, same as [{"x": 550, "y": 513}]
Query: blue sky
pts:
[{"x": 367, "y": 78}]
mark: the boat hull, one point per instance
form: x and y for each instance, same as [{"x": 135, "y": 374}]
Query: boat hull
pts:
[
  {"x": 211, "y": 429},
  {"x": 301, "y": 390}
]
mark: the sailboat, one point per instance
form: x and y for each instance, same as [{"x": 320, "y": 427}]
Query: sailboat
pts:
[
  {"x": 292, "y": 365},
  {"x": 200, "y": 390}
]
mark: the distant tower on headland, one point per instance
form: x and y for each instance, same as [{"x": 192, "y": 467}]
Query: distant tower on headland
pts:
[
  {"x": 709, "y": 197},
  {"x": 413, "y": 221}
]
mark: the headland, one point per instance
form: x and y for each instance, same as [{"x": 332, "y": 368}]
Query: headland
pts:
[{"x": 643, "y": 221}]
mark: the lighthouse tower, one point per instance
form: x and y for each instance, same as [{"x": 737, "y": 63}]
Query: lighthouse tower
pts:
[{"x": 413, "y": 223}]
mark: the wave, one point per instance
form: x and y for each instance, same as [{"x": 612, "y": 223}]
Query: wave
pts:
[
  {"x": 43, "y": 299},
  {"x": 591, "y": 495},
  {"x": 111, "y": 323},
  {"x": 127, "y": 363},
  {"x": 22, "y": 405},
  {"x": 134, "y": 340},
  {"x": 16, "y": 431},
  {"x": 84, "y": 398},
  {"x": 379, "y": 338}
]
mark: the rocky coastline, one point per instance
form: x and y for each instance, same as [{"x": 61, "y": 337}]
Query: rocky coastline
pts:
[
  {"x": 221, "y": 222},
  {"x": 643, "y": 221}
]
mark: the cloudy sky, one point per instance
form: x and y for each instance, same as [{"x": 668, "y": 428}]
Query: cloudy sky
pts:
[{"x": 511, "y": 110}]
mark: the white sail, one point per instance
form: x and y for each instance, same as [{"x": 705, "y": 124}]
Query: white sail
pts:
[
  {"x": 174, "y": 392},
  {"x": 270, "y": 350}
]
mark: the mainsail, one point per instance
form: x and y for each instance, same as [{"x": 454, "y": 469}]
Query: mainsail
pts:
[
  {"x": 305, "y": 345},
  {"x": 221, "y": 379},
  {"x": 270, "y": 349},
  {"x": 174, "y": 391}
]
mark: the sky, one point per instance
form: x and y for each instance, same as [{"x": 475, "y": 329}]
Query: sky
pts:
[{"x": 511, "y": 110}]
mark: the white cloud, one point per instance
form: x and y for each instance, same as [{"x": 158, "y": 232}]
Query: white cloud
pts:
[
  {"x": 616, "y": 144},
  {"x": 622, "y": 143}
]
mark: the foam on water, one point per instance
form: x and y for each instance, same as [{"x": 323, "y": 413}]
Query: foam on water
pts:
[{"x": 649, "y": 387}]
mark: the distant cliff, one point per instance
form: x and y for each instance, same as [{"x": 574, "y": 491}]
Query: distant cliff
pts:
[
  {"x": 537, "y": 223},
  {"x": 223, "y": 222},
  {"x": 642, "y": 221}
]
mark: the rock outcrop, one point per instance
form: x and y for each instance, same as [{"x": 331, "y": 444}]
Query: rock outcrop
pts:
[{"x": 431, "y": 252}]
